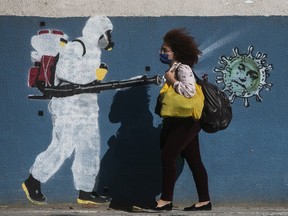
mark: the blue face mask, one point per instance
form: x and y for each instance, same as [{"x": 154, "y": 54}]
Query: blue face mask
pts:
[{"x": 164, "y": 58}]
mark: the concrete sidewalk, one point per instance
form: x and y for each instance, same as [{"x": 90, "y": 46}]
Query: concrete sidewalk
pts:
[{"x": 73, "y": 209}]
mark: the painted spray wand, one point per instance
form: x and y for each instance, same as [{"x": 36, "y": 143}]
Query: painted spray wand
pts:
[{"x": 70, "y": 89}]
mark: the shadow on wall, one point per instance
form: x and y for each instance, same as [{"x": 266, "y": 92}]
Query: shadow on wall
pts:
[{"x": 130, "y": 171}]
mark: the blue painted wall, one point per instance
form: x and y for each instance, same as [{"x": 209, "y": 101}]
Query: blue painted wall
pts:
[{"x": 246, "y": 163}]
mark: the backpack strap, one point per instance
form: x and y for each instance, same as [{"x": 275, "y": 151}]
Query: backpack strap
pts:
[
  {"x": 84, "y": 48},
  {"x": 204, "y": 77}
]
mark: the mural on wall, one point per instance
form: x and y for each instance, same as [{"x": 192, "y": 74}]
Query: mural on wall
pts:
[
  {"x": 67, "y": 72},
  {"x": 244, "y": 75},
  {"x": 75, "y": 118},
  {"x": 26, "y": 128}
]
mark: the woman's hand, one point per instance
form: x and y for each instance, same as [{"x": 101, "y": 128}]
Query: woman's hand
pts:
[{"x": 170, "y": 75}]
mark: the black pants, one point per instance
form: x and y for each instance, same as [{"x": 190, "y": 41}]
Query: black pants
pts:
[{"x": 179, "y": 136}]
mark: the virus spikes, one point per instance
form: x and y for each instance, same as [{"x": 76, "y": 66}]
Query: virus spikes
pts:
[{"x": 244, "y": 75}]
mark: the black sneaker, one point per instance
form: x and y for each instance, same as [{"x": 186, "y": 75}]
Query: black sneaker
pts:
[
  {"x": 33, "y": 192},
  {"x": 93, "y": 198}
]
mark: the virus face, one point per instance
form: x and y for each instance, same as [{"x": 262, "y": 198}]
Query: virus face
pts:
[{"x": 244, "y": 75}]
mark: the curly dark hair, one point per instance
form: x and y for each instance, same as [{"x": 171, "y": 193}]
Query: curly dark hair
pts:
[{"x": 183, "y": 45}]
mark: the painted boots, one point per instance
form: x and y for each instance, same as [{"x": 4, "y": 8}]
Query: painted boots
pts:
[
  {"x": 92, "y": 198},
  {"x": 32, "y": 190}
]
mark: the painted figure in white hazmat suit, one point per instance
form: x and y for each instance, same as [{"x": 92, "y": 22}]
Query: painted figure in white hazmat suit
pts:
[{"x": 75, "y": 118}]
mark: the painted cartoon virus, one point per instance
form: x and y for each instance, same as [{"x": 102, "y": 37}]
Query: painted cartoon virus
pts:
[{"x": 244, "y": 75}]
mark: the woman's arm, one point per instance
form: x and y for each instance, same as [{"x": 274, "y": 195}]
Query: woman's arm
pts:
[{"x": 185, "y": 83}]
